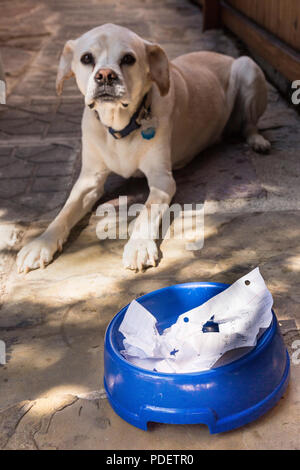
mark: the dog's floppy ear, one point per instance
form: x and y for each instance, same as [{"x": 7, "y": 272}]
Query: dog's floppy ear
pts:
[
  {"x": 64, "y": 68},
  {"x": 159, "y": 67}
]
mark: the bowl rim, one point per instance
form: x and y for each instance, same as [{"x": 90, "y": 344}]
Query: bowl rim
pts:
[{"x": 261, "y": 343}]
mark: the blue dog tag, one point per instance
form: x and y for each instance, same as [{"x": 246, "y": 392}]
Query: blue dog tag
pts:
[{"x": 148, "y": 133}]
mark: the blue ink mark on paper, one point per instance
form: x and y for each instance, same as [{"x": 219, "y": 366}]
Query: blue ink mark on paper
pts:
[{"x": 172, "y": 353}]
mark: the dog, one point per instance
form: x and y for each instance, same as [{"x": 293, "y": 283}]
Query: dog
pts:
[{"x": 146, "y": 115}]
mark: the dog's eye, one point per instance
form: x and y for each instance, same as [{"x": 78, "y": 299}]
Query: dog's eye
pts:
[
  {"x": 87, "y": 59},
  {"x": 128, "y": 59}
]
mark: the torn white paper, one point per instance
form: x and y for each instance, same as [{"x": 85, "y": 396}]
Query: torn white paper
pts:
[{"x": 201, "y": 336}]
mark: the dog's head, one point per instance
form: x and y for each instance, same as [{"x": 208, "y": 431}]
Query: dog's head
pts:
[{"x": 113, "y": 66}]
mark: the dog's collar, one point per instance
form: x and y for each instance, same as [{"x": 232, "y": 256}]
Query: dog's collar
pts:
[{"x": 133, "y": 123}]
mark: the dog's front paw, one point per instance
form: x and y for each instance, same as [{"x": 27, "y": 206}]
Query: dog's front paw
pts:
[
  {"x": 37, "y": 254},
  {"x": 259, "y": 143},
  {"x": 140, "y": 254}
]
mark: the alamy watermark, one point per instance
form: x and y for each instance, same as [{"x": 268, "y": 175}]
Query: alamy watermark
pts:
[
  {"x": 296, "y": 354},
  {"x": 184, "y": 222},
  {"x": 296, "y": 94},
  {"x": 2, "y": 352}
]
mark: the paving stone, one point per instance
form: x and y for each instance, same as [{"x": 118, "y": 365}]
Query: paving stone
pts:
[
  {"x": 12, "y": 187},
  {"x": 63, "y": 126},
  {"x": 24, "y": 126},
  {"x": 48, "y": 153},
  {"x": 20, "y": 45},
  {"x": 48, "y": 184},
  {"x": 51, "y": 169},
  {"x": 16, "y": 169},
  {"x": 42, "y": 202}
]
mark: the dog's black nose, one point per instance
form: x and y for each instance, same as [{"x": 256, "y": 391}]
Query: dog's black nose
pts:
[{"x": 105, "y": 76}]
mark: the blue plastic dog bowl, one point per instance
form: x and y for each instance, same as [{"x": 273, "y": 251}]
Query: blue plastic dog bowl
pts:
[{"x": 223, "y": 398}]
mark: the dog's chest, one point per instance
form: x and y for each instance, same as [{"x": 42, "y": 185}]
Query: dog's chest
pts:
[{"x": 122, "y": 156}]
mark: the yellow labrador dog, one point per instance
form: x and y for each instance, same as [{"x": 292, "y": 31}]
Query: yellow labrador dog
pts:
[{"x": 145, "y": 114}]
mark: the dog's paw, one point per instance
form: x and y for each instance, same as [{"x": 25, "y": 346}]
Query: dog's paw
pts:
[
  {"x": 36, "y": 254},
  {"x": 140, "y": 254},
  {"x": 259, "y": 143}
]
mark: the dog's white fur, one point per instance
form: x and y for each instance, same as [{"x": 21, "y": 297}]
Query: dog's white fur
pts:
[{"x": 194, "y": 98}]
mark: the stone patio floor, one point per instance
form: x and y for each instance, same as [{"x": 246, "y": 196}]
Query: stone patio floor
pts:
[{"x": 53, "y": 321}]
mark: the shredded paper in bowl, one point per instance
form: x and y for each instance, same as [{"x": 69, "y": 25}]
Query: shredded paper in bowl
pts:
[{"x": 200, "y": 337}]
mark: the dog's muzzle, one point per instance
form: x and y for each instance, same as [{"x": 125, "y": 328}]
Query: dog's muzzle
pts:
[{"x": 109, "y": 85}]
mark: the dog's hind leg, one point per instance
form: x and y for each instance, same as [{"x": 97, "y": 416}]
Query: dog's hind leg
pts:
[{"x": 248, "y": 84}]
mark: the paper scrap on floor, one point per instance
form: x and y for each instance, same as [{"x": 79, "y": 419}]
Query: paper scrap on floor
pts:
[{"x": 237, "y": 315}]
